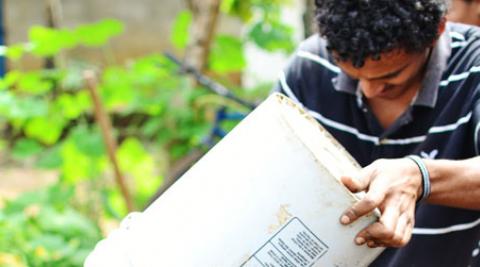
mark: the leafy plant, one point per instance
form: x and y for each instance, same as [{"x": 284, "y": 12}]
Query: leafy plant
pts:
[
  {"x": 47, "y": 118},
  {"x": 43, "y": 229},
  {"x": 263, "y": 18}
]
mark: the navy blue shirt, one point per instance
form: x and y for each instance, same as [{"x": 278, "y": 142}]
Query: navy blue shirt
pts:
[{"x": 443, "y": 122}]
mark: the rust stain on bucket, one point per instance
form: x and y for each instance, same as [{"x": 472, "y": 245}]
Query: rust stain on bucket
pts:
[{"x": 282, "y": 217}]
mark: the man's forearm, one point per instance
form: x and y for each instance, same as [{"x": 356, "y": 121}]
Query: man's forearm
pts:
[{"x": 455, "y": 183}]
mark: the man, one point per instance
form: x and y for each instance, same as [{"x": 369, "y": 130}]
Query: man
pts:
[
  {"x": 465, "y": 11},
  {"x": 390, "y": 79}
]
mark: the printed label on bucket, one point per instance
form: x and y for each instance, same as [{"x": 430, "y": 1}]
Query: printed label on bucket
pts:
[{"x": 293, "y": 246}]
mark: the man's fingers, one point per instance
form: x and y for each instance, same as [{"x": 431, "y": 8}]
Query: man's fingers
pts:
[
  {"x": 402, "y": 233},
  {"x": 371, "y": 201},
  {"x": 388, "y": 221},
  {"x": 357, "y": 182},
  {"x": 394, "y": 229},
  {"x": 353, "y": 184},
  {"x": 383, "y": 231}
]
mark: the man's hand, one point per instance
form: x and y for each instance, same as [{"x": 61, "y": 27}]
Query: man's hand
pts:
[{"x": 393, "y": 187}]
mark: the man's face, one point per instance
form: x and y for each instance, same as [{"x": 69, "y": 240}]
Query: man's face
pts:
[
  {"x": 390, "y": 77},
  {"x": 467, "y": 12}
]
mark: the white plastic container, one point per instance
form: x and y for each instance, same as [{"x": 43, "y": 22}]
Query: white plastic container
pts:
[{"x": 267, "y": 195}]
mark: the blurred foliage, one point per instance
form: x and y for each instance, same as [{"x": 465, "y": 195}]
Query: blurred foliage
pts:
[
  {"x": 266, "y": 28},
  {"x": 43, "y": 229},
  {"x": 47, "y": 118}
]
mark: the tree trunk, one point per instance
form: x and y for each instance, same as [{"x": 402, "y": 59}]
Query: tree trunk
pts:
[
  {"x": 205, "y": 16},
  {"x": 54, "y": 16}
]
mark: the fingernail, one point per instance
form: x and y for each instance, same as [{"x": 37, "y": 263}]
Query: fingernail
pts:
[
  {"x": 345, "y": 219},
  {"x": 359, "y": 240}
]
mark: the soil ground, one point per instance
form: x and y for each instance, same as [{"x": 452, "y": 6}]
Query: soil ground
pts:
[{"x": 14, "y": 181}]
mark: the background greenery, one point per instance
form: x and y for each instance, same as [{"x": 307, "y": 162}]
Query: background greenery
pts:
[{"x": 46, "y": 117}]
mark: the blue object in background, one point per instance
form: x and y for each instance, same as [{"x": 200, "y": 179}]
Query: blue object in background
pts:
[{"x": 2, "y": 40}]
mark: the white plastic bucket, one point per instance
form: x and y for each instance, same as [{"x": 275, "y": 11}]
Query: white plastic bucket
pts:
[{"x": 267, "y": 195}]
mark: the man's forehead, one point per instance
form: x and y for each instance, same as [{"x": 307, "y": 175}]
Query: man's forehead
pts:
[
  {"x": 392, "y": 57},
  {"x": 386, "y": 64}
]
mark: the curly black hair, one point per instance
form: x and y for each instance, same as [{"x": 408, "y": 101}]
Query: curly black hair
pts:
[{"x": 361, "y": 29}]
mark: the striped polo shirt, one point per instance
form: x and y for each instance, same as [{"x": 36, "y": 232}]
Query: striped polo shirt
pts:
[{"x": 443, "y": 122}]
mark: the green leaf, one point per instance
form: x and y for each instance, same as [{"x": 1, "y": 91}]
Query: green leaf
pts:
[
  {"x": 98, "y": 34},
  {"x": 10, "y": 79},
  {"x": 136, "y": 161},
  {"x": 88, "y": 142},
  {"x": 13, "y": 107},
  {"x": 116, "y": 88},
  {"x": 34, "y": 83},
  {"x": 48, "y": 42},
  {"x": 273, "y": 36},
  {"x": 46, "y": 130},
  {"x": 115, "y": 204},
  {"x": 67, "y": 224},
  {"x": 227, "y": 55},
  {"x": 181, "y": 29},
  {"x": 242, "y": 9},
  {"x": 227, "y": 5},
  {"x": 19, "y": 204},
  {"x": 76, "y": 165},
  {"x": 49, "y": 242},
  {"x": 73, "y": 105},
  {"x": 15, "y": 52},
  {"x": 50, "y": 158},
  {"x": 7, "y": 103},
  {"x": 24, "y": 148}
]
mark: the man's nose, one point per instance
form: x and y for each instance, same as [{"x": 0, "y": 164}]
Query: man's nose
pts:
[{"x": 371, "y": 88}]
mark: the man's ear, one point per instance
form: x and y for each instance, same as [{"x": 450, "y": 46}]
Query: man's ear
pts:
[
  {"x": 441, "y": 26},
  {"x": 441, "y": 29}
]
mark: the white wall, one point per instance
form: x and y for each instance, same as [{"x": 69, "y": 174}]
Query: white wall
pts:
[{"x": 148, "y": 22}]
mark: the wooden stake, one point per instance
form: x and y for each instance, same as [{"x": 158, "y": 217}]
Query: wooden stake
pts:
[{"x": 106, "y": 128}]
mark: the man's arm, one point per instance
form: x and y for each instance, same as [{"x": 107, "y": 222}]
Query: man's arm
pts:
[
  {"x": 395, "y": 185},
  {"x": 455, "y": 183}
]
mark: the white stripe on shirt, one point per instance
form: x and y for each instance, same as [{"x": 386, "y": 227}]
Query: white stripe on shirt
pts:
[
  {"x": 457, "y": 35},
  {"x": 374, "y": 139},
  {"x": 446, "y": 230},
  {"x": 319, "y": 60},
  {"x": 451, "y": 127},
  {"x": 461, "y": 76},
  {"x": 344, "y": 128},
  {"x": 458, "y": 44}
]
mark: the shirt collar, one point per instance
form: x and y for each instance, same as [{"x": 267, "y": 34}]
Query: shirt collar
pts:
[{"x": 428, "y": 94}]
